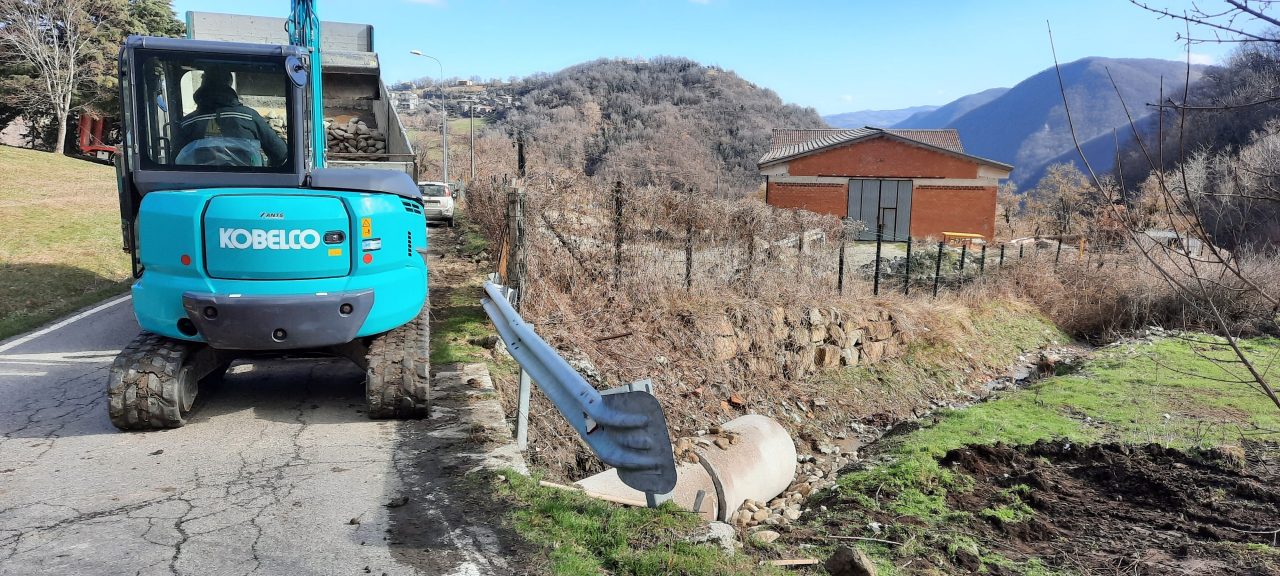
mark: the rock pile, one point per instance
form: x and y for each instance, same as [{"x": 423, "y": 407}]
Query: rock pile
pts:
[
  {"x": 354, "y": 137},
  {"x": 684, "y": 447},
  {"x": 815, "y": 473}
]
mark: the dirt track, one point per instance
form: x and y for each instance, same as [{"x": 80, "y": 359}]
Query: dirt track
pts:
[{"x": 1112, "y": 509}]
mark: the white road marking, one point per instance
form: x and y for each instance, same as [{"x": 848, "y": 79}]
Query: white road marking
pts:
[
  {"x": 46, "y": 330},
  {"x": 52, "y": 358},
  {"x": 19, "y": 373}
]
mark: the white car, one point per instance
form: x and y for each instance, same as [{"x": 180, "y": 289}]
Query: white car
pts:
[{"x": 438, "y": 201}]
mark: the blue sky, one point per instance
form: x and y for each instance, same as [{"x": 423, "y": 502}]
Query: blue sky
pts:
[{"x": 836, "y": 56}]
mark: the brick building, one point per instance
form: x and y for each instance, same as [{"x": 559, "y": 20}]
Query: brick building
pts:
[{"x": 917, "y": 183}]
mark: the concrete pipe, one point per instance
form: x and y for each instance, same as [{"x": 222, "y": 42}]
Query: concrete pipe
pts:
[
  {"x": 758, "y": 466},
  {"x": 690, "y": 479}
]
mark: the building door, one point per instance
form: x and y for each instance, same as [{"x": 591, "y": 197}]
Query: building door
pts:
[
  {"x": 881, "y": 203},
  {"x": 888, "y": 224}
]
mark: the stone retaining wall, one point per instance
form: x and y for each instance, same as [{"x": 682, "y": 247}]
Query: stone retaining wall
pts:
[{"x": 797, "y": 343}]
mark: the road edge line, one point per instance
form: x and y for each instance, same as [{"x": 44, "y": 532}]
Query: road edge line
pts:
[{"x": 29, "y": 336}]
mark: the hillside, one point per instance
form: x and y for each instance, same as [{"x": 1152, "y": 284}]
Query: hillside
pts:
[
  {"x": 633, "y": 119},
  {"x": 1027, "y": 125},
  {"x": 1248, "y": 76},
  {"x": 944, "y": 115},
  {"x": 877, "y": 118},
  {"x": 59, "y": 237}
]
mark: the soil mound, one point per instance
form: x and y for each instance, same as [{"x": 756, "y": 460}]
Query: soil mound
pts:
[{"x": 1111, "y": 508}]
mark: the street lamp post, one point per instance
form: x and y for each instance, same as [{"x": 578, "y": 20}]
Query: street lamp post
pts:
[{"x": 444, "y": 113}]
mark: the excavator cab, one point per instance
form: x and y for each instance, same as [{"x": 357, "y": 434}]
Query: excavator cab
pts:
[{"x": 245, "y": 244}]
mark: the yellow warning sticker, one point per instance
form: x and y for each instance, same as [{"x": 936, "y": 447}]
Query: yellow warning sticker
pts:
[
  {"x": 335, "y": 251},
  {"x": 366, "y": 227}
]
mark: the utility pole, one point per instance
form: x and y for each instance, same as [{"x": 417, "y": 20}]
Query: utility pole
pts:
[{"x": 444, "y": 133}]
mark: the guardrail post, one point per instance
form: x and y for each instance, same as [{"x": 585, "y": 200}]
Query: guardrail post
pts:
[{"x": 522, "y": 411}]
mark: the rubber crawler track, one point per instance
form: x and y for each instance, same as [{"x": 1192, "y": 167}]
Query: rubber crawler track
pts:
[
  {"x": 143, "y": 387},
  {"x": 398, "y": 377}
]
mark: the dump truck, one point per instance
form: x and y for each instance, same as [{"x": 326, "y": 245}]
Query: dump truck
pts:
[{"x": 361, "y": 124}]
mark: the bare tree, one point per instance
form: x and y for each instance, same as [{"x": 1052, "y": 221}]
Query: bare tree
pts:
[
  {"x": 1229, "y": 23},
  {"x": 1060, "y": 199},
  {"x": 50, "y": 36},
  {"x": 1008, "y": 201},
  {"x": 1208, "y": 280}
]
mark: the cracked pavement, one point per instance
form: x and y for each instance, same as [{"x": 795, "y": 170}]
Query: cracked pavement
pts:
[{"x": 278, "y": 471}]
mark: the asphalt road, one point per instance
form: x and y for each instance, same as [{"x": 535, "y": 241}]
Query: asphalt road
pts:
[{"x": 279, "y": 471}]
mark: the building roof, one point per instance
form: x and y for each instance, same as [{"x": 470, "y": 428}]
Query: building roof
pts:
[
  {"x": 788, "y": 144},
  {"x": 948, "y": 138}
]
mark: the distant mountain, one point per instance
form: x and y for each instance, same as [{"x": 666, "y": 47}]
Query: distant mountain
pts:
[
  {"x": 877, "y": 118},
  {"x": 941, "y": 117},
  {"x": 1027, "y": 125}
]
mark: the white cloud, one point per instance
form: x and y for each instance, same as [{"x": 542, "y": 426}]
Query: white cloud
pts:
[
  {"x": 700, "y": 1},
  {"x": 846, "y": 97},
  {"x": 436, "y": 3},
  {"x": 1201, "y": 58}
]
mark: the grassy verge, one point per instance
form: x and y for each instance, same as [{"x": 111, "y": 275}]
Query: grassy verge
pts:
[
  {"x": 59, "y": 238},
  {"x": 459, "y": 322},
  {"x": 1133, "y": 393},
  {"x": 585, "y": 536}
]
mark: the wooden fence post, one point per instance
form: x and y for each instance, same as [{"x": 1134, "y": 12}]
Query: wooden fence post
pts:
[
  {"x": 617, "y": 233},
  {"x": 875, "y": 287},
  {"x": 688, "y": 241},
  {"x": 906, "y": 276},
  {"x": 937, "y": 268}
]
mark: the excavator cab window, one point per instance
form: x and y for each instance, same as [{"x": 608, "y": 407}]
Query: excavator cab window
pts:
[{"x": 224, "y": 113}]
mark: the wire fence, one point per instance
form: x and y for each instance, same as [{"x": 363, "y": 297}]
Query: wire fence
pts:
[{"x": 664, "y": 242}]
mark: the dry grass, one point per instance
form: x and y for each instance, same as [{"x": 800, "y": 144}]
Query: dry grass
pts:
[
  {"x": 750, "y": 277},
  {"x": 59, "y": 237},
  {"x": 748, "y": 270},
  {"x": 1102, "y": 297}
]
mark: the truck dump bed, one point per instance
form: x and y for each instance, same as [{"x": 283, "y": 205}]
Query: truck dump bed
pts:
[{"x": 362, "y": 127}]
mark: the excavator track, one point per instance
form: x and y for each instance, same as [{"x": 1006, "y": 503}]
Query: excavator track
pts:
[
  {"x": 398, "y": 371},
  {"x": 153, "y": 383}
]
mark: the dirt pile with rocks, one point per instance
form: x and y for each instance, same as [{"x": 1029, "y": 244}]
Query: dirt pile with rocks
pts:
[{"x": 1111, "y": 508}]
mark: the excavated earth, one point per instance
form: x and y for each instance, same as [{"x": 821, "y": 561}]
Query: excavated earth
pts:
[{"x": 1115, "y": 509}]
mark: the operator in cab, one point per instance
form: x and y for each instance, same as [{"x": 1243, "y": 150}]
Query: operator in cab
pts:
[{"x": 223, "y": 132}]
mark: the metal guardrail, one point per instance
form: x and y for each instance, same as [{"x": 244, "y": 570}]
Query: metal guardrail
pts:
[{"x": 626, "y": 428}]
